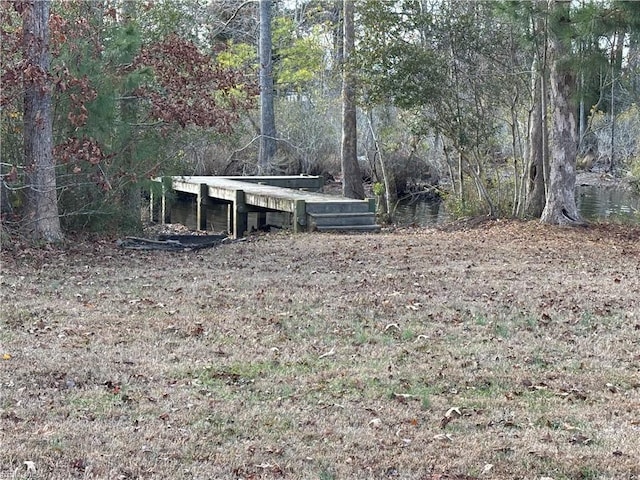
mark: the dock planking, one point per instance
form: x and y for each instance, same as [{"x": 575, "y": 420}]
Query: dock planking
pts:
[{"x": 300, "y": 196}]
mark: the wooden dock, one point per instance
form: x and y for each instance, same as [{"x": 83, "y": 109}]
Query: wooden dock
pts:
[{"x": 300, "y": 196}]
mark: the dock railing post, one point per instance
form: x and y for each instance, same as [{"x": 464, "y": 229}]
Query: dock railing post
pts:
[
  {"x": 151, "y": 199},
  {"x": 201, "y": 207},
  {"x": 240, "y": 215},
  {"x": 163, "y": 207},
  {"x": 319, "y": 184},
  {"x": 299, "y": 216}
]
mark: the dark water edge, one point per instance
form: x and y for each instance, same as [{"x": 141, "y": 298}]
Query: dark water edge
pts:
[{"x": 595, "y": 203}]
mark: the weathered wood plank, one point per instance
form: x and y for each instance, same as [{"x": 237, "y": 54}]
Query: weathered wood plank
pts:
[{"x": 261, "y": 194}]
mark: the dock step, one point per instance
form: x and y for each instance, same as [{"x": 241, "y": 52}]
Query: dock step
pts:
[
  {"x": 343, "y": 206},
  {"x": 355, "y": 221},
  {"x": 337, "y": 219},
  {"x": 348, "y": 228}
]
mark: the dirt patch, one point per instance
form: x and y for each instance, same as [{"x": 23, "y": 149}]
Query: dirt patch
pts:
[{"x": 503, "y": 350}]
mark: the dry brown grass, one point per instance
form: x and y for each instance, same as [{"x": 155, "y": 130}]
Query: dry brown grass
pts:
[{"x": 506, "y": 351}]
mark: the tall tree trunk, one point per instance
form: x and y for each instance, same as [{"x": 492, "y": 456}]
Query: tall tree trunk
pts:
[
  {"x": 267, "y": 115},
  {"x": 535, "y": 162},
  {"x": 538, "y": 152},
  {"x": 131, "y": 201},
  {"x": 41, "y": 199},
  {"x": 351, "y": 176},
  {"x": 337, "y": 32},
  {"x": 560, "y": 207},
  {"x": 616, "y": 68}
]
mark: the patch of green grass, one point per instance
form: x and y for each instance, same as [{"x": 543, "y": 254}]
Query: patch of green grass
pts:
[
  {"x": 327, "y": 473},
  {"x": 408, "y": 335},
  {"x": 587, "y": 472},
  {"x": 424, "y": 395},
  {"x": 362, "y": 337},
  {"x": 502, "y": 330},
  {"x": 222, "y": 427},
  {"x": 95, "y": 404},
  {"x": 56, "y": 445},
  {"x": 530, "y": 322},
  {"x": 539, "y": 362}
]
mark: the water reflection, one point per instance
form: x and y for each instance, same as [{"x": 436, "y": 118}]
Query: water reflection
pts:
[
  {"x": 595, "y": 204},
  {"x": 420, "y": 212},
  {"x": 606, "y": 203}
]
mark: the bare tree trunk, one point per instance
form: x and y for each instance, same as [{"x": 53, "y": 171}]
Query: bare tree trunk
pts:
[
  {"x": 338, "y": 32},
  {"x": 387, "y": 177},
  {"x": 535, "y": 166},
  {"x": 461, "y": 180},
  {"x": 131, "y": 195},
  {"x": 538, "y": 153},
  {"x": 267, "y": 115},
  {"x": 41, "y": 198},
  {"x": 616, "y": 67},
  {"x": 560, "y": 207},
  {"x": 351, "y": 176}
]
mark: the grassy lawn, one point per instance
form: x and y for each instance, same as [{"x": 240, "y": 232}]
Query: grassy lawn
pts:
[{"x": 506, "y": 351}]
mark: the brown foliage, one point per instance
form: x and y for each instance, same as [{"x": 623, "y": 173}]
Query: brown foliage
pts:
[{"x": 190, "y": 89}]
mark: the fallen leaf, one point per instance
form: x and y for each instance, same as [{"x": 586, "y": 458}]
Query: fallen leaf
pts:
[
  {"x": 452, "y": 413},
  {"x": 403, "y": 396},
  {"x": 612, "y": 388},
  {"x": 580, "y": 440},
  {"x": 375, "y": 423},
  {"x": 6, "y": 356},
  {"x": 330, "y": 353}
]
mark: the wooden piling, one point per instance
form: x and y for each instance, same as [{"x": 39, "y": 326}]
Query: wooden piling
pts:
[
  {"x": 163, "y": 207},
  {"x": 201, "y": 206},
  {"x": 299, "y": 216},
  {"x": 240, "y": 215}
]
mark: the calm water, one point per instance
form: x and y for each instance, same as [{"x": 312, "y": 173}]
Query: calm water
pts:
[
  {"x": 599, "y": 203},
  {"x": 594, "y": 203}
]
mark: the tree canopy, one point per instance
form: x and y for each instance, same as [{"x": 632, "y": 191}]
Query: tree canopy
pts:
[{"x": 448, "y": 93}]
